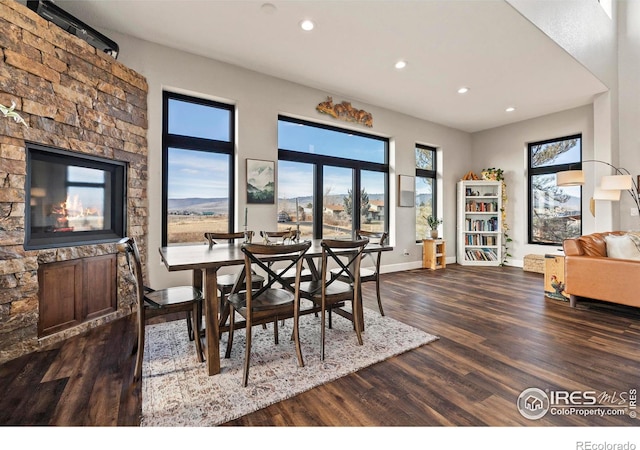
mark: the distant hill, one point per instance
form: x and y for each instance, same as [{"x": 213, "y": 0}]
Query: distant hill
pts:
[{"x": 199, "y": 205}]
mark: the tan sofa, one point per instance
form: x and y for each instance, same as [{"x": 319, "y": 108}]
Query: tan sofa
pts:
[{"x": 590, "y": 273}]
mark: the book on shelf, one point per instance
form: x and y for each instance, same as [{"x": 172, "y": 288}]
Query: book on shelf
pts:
[
  {"x": 474, "y": 206},
  {"x": 481, "y": 224},
  {"x": 481, "y": 254},
  {"x": 480, "y": 239}
]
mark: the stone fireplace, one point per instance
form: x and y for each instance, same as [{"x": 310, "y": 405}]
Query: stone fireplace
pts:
[{"x": 83, "y": 102}]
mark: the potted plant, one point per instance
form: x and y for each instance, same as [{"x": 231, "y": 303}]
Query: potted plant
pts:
[{"x": 433, "y": 223}]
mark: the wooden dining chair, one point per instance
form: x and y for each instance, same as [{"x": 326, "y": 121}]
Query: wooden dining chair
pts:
[
  {"x": 226, "y": 282},
  {"x": 152, "y": 303},
  {"x": 329, "y": 292},
  {"x": 277, "y": 299},
  {"x": 370, "y": 273}
]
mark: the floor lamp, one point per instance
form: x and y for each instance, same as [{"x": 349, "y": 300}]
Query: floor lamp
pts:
[{"x": 610, "y": 185}]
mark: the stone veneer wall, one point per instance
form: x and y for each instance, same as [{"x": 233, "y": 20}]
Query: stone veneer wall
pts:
[{"x": 76, "y": 98}]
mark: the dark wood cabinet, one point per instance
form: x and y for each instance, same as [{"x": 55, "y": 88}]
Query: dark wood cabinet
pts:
[{"x": 75, "y": 291}]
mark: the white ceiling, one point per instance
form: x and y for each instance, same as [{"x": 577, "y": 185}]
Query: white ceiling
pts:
[{"x": 483, "y": 44}]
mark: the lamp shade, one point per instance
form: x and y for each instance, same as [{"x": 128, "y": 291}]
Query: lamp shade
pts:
[
  {"x": 619, "y": 182},
  {"x": 611, "y": 195},
  {"x": 570, "y": 178}
]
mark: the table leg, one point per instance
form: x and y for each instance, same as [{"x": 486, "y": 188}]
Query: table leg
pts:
[
  {"x": 212, "y": 329},
  {"x": 311, "y": 264}
]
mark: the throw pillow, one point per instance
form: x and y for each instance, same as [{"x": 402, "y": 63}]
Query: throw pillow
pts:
[{"x": 625, "y": 246}]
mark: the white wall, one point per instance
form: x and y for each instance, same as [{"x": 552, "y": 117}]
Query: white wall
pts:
[
  {"x": 629, "y": 102},
  {"x": 582, "y": 28},
  {"x": 506, "y": 147},
  {"x": 259, "y": 99}
]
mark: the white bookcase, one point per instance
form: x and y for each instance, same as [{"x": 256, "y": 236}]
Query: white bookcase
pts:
[{"x": 479, "y": 227}]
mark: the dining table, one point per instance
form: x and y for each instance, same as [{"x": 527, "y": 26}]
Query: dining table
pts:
[{"x": 205, "y": 261}]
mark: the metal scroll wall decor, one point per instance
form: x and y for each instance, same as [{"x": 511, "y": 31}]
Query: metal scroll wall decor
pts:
[{"x": 344, "y": 111}]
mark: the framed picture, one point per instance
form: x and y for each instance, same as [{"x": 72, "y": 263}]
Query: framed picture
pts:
[
  {"x": 406, "y": 191},
  {"x": 261, "y": 181}
]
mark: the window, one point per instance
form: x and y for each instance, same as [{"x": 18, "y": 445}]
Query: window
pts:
[
  {"x": 555, "y": 213},
  {"x": 426, "y": 174},
  {"x": 343, "y": 174},
  {"x": 197, "y": 163}
]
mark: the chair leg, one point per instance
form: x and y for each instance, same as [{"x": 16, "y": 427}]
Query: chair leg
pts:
[
  {"x": 275, "y": 332},
  {"x": 189, "y": 327},
  {"x": 355, "y": 306},
  {"x": 137, "y": 374},
  {"x": 247, "y": 357},
  {"x": 322, "y": 319},
  {"x": 378, "y": 295},
  {"x": 296, "y": 333},
  {"x": 197, "y": 318},
  {"x": 225, "y": 314},
  {"x": 232, "y": 313}
]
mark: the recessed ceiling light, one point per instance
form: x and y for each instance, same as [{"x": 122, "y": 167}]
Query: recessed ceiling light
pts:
[
  {"x": 401, "y": 64},
  {"x": 463, "y": 90},
  {"x": 268, "y": 8},
  {"x": 307, "y": 25},
  {"x": 510, "y": 109}
]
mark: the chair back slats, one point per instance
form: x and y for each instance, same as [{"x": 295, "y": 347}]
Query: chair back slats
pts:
[
  {"x": 374, "y": 237},
  {"x": 129, "y": 247},
  {"x": 292, "y": 253},
  {"x": 336, "y": 251},
  {"x": 289, "y": 234},
  {"x": 215, "y": 238}
]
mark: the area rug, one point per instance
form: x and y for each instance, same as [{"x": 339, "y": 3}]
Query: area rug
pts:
[{"x": 176, "y": 390}]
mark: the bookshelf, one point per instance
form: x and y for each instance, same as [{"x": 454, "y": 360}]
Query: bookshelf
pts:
[{"x": 479, "y": 233}]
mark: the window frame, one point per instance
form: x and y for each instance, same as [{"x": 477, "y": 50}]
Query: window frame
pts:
[
  {"x": 195, "y": 144},
  {"x": 320, "y": 161},
  {"x": 432, "y": 174},
  {"x": 548, "y": 170}
]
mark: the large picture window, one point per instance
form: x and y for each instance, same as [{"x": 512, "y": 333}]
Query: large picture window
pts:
[
  {"x": 331, "y": 181},
  {"x": 426, "y": 176},
  {"x": 197, "y": 168},
  {"x": 555, "y": 212}
]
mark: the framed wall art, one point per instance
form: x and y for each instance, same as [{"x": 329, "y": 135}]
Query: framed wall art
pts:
[
  {"x": 406, "y": 190},
  {"x": 260, "y": 181}
]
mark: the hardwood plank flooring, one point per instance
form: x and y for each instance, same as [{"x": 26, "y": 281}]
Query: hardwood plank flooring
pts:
[{"x": 498, "y": 336}]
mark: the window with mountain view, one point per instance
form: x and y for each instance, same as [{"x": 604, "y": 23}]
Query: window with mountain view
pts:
[
  {"x": 426, "y": 174},
  {"x": 331, "y": 181},
  {"x": 555, "y": 212},
  {"x": 197, "y": 168}
]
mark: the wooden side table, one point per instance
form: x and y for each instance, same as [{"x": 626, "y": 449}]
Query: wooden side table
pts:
[
  {"x": 554, "y": 277},
  {"x": 434, "y": 254}
]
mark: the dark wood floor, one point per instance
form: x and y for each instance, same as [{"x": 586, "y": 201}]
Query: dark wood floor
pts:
[{"x": 498, "y": 336}]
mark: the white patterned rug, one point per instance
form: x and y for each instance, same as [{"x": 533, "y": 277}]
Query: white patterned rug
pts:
[{"x": 176, "y": 390}]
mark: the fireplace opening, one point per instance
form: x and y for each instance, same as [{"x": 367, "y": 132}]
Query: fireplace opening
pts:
[{"x": 73, "y": 199}]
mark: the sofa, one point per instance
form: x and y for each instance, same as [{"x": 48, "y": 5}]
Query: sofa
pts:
[{"x": 603, "y": 266}]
